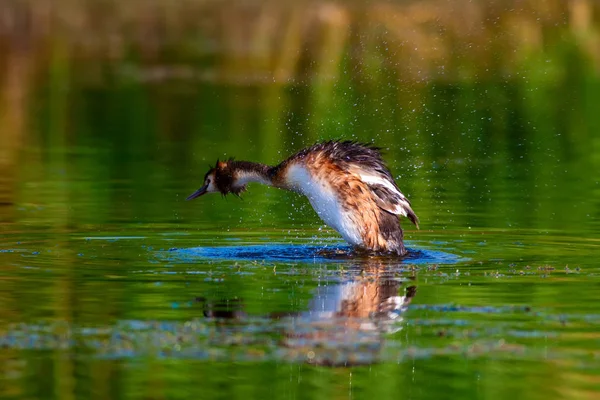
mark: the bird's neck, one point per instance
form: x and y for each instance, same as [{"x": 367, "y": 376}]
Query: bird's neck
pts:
[{"x": 245, "y": 172}]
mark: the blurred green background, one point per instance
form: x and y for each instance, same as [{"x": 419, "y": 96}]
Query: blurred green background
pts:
[
  {"x": 511, "y": 84},
  {"x": 111, "y": 112}
]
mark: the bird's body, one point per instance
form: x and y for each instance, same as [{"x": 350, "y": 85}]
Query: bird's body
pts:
[{"x": 347, "y": 183}]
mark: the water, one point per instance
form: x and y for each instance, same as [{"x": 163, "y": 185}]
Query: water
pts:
[{"x": 113, "y": 286}]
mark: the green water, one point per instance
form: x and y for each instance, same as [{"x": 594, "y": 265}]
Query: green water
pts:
[{"x": 113, "y": 287}]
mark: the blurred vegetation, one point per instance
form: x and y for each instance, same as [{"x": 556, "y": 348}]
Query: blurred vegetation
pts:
[{"x": 513, "y": 84}]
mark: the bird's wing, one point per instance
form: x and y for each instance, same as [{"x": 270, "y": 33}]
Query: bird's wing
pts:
[{"x": 386, "y": 194}]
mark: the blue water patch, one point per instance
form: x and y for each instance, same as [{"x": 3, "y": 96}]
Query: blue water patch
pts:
[{"x": 302, "y": 253}]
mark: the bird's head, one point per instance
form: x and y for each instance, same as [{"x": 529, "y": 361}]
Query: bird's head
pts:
[{"x": 220, "y": 179}]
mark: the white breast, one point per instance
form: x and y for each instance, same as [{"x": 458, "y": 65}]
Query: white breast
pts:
[{"x": 325, "y": 202}]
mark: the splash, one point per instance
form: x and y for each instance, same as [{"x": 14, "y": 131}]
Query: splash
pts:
[{"x": 303, "y": 253}]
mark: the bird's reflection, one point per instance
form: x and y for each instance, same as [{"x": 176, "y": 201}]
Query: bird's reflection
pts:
[
  {"x": 346, "y": 320},
  {"x": 375, "y": 297}
]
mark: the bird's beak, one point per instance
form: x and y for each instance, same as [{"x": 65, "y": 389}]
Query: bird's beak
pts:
[{"x": 198, "y": 193}]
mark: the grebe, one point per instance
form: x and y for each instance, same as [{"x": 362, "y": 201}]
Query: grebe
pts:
[{"x": 346, "y": 182}]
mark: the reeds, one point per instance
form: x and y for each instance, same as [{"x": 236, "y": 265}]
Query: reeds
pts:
[{"x": 267, "y": 42}]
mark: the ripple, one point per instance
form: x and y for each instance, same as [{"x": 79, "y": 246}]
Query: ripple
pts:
[
  {"x": 302, "y": 253},
  {"x": 292, "y": 339}
]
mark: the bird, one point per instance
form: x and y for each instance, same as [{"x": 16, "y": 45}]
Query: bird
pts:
[{"x": 347, "y": 183}]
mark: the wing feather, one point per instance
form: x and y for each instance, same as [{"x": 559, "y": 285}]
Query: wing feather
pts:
[
  {"x": 388, "y": 197},
  {"x": 365, "y": 162}
]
